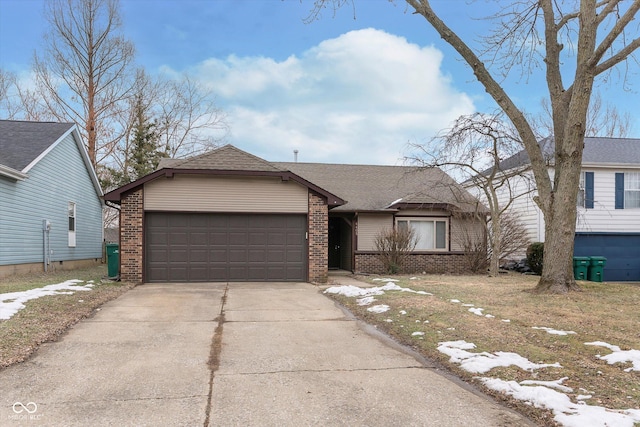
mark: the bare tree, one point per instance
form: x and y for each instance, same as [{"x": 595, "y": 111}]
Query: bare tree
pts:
[
  {"x": 603, "y": 119},
  {"x": 473, "y": 150},
  {"x": 531, "y": 35},
  {"x": 188, "y": 119},
  {"x": 83, "y": 75}
]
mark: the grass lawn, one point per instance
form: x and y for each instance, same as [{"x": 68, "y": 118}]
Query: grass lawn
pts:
[
  {"x": 608, "y": 312},
  {"x": 46, "y": 318}
]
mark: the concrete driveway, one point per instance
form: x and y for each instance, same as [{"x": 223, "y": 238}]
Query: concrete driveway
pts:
[{"x": 244, "y": 355}]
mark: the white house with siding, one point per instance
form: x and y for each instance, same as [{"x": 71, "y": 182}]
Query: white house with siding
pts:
[
  {"x": 50, "y": 199},
  {"x": 608, "y": 222}
]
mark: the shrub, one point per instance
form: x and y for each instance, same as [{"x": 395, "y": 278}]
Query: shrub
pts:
[
  {"x": 535, "y": 253},
  {"x": 393, "y": 246}
]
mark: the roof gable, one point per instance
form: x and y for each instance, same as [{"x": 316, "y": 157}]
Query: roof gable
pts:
[
  {"x": 23, "y": 142},
  {"x": 226, "y": 160}
]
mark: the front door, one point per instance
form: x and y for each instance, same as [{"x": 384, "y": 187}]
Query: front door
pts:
[{"x": 334, "y": 243}]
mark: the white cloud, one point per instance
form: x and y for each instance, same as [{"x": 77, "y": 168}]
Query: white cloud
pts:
[{"x": 357, "y": 98}]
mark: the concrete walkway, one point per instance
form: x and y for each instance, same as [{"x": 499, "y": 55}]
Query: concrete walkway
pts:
[{"x": 283, "y": 355}]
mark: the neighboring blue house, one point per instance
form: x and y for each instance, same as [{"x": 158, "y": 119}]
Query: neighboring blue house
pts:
[{"x": 50, "y": 199}]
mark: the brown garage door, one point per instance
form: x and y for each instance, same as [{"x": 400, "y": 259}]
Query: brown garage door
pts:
[{"x": 203, "y": 247}]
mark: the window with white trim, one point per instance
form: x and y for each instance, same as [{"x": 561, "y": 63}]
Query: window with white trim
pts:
[
  {"x": 431, "y": 234},
  {"x": 72, "y": 224},
  {"x": 581, "y": 195},
  {"x": 631, "y": 190}
]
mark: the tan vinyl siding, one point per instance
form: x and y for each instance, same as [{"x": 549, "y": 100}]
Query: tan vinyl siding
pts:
[
  {"x": 465, "y": 232},
  {"x": 225, "y": 194},
  {"x": 369, "y": 225}
]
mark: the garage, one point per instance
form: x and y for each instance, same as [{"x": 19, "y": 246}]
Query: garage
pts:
[
  {"x": 217, "y": 247},
  {"x": 622, "y": 251}
]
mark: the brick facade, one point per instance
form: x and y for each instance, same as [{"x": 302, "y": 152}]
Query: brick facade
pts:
[
  {"x": 131, "y": 237},
  {"x": 318, "y": 239},
  {"x": 451, "y": 263}
]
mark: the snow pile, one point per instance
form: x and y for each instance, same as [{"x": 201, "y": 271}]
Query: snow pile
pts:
[
  {"x": 477, "y": 311},
  {"x": 619, "y": 356},
  {"x": 566, "y": 412},
  {"x": 552, "y": 331},
  {"x": 11, "y": 303},
  {"x": 381, "y": 308},
  {"x": 479, "y": 363},
  {"x": 363, "y": 293},
  {"x": 557, "y": 384},
  {"x": 355, "y": 291}
]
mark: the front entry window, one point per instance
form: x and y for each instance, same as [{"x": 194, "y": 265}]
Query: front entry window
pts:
[{"x": 431, "y": 234}]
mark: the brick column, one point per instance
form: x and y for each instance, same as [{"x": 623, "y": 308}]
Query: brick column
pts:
[
  {"x": 131, "y": 232},
  {"x": 318, "y": 239}
]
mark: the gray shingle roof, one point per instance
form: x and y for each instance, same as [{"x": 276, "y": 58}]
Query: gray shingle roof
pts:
[
  {"x": 364, "y": 187},
  {"x": 597, "y": 150},
  {"x": 227, "y": 157},
  {"x": 371, "y": 188},
  {"x": 22, "y": 142}
]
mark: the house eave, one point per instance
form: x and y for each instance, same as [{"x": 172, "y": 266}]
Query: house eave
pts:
[
  {"x": 596, "y": 165},
  {"x": 12, "y": 174}
]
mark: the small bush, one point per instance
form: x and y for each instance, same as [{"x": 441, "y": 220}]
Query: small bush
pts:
[
  {"x": 393, "y": 246},
  {"x": 535, "y": 253}
]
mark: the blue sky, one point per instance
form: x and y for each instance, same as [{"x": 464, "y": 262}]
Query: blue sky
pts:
[{"x": 339, "y": 90}]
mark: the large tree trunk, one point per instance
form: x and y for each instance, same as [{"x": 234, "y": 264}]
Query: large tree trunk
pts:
[{"x": 560, "y": 224}]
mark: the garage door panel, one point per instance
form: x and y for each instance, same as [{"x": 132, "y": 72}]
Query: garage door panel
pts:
[
  {"x": 237, "y": 237},
  {"x": 257, "y": 238},
  {"x": 183, "y": 247},
  {"x": 257, "y": 256},
  {"x": 622, "y": 252}
]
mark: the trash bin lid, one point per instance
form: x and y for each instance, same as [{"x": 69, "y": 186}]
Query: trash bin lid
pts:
[
  {"x": 595, "y": 260},
  {"x": 580, "y": 260}
]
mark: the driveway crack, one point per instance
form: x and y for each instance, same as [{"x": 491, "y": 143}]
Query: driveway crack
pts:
[{"x": 214, "y": 354}]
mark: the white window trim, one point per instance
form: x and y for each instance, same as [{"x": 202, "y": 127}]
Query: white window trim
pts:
[
  {"x": 72, "y": 213},
  {"x": 627, "y": 182},
  {"x": 582, "y": 192},
  {"x": 433, "y": 219}
]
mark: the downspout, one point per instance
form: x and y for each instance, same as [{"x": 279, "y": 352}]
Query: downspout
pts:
[{"x": 46, "y": 227}]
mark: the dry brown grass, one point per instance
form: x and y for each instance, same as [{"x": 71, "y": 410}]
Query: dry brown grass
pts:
[
  {"x": 601, "y": 312},
  {"x": 45, "y": 319}
]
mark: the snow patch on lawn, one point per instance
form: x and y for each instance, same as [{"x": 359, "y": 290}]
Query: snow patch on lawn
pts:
[
  {"x": 618, "y": 355},
  {"x": 11, "y": 303},
  {"x": 553, "y": 331},
  {"x": 479, "y": 363},
  {"x": 381, "y": 308},
  {"x": 566, "y": 412}
]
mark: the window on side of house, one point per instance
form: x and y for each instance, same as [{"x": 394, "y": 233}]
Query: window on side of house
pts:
[
  {"x": 581, "y": 195},
  {"x": 586, "y": 190},
  {"x": 72, "y": 224},
  {"x": 632, "y": 190},
  {"x": 431, "y": 233}
]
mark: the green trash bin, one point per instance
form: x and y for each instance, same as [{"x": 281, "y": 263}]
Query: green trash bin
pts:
[
  {"x": 596, "y": 268},
  {"x": 113, "y": 259},
  {"x": 580, "y": 267}
]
